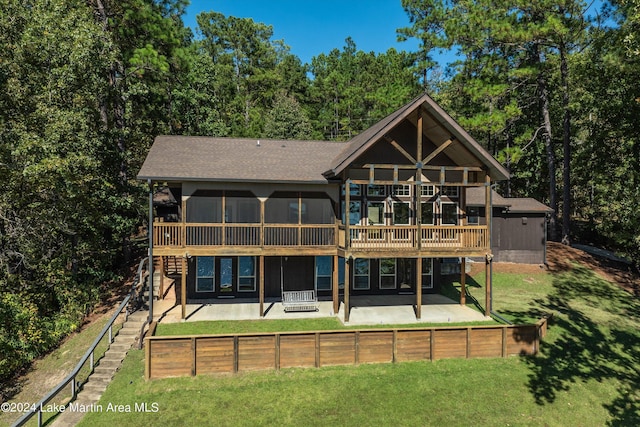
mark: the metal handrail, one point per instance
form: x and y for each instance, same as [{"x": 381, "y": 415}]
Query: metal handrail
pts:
[{"x": 133, "y": 296}]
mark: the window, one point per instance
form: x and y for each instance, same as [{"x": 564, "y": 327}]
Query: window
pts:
[
  {"x": 449, "y": 191},
  {"x": 387, "y": 273},
  {"x": 449, "y": 213},
  {"x": 427, "y": 273},
  {"x": 400, "y": 213},
  {"x": 426, "y": 213},
  {"x": 354, "y": 212},
  {"x": 402, "y": 190},
  {"x": 428, "y": 190},
  {"x": 354, "y": 190},
  {"x": 375, "y": 213},
  {"x": 376, "y": 190},
  {"x": 205, "y": 274},
  {"x": 246, "y": 274},
  {"x": 473, "y": 215},
  {"x": 226, "y": 275},
  {"x": 361, "y": 274},
  {"x": 324, "y": 269},
  {"x": 450, "y": 266}
]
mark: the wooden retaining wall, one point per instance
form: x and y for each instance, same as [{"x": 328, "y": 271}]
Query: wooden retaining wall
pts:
[{"x": 175, "y": 356}]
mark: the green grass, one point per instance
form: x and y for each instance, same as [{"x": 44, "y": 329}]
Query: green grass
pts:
[{"x": 586, "y": 374}]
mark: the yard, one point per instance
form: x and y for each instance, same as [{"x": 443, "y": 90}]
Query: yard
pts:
[{"x": 587, "y": 373}]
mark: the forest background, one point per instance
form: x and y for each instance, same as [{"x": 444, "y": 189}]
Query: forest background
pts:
[{"x": 85, "y": 86}]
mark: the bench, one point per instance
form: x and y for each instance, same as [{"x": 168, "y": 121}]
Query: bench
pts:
[{"x": 300, "y": 300}]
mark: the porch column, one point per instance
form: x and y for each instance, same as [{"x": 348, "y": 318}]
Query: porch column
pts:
[
  {"x": 336, "y": 278},
  {"x": 150, "y": 262},
  {"x": 463, "y": 281},
  {"x": 261, "y": 284},
  {"x": 487, "y": 280},
  {"x": 347, "y": 284},
  {"x": 489, "y": 256},
  {"x": 419, "y": 288},
  {"x": 161, "y": 287},
  {"x": 183, "y": 286}
]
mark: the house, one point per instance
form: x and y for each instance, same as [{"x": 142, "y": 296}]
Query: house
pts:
[
  {"x": 518, "y": 226},
  {"x": 263, "y": 219}
]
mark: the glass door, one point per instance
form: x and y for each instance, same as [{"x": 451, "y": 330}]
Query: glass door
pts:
[{"x": 226, "y": 277}]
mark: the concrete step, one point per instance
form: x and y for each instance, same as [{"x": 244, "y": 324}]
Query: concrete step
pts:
[
  {"x": 106, "y": 376},
  {"x": 95, "y": 387},
  {"x": 121, "y": 340},
  {"x": 108, "y": 363}
]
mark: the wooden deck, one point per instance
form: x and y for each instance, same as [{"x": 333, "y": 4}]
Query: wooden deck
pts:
[{"x": 174, "y": 238}]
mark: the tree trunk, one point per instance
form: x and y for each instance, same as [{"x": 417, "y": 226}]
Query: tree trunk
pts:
[
  {"x": 566, "y": 144},
  {"x": 551, "y": 157}
]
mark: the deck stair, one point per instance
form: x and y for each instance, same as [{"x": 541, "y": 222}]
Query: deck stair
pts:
[{"x": 98, "y": 381}]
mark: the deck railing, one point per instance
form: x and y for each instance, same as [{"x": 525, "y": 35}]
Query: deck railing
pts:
[
  {"x": 236, "y": 234},
  {"x": 375, "y": 237},
  {"x": 384, "y": 237}
]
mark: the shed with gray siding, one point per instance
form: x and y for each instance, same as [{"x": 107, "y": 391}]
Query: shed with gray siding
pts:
[{"x": 518, "y": 228}]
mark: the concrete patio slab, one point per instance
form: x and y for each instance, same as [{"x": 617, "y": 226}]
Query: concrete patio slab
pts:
[{"x": 365, "y": 310}]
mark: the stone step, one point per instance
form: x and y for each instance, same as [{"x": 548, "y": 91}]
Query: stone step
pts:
[
  {"x": 108, "y": 364},
  {"x": 120, "y": 347},
  {"x": 107, "y": 376},
  {"x": 130, "y": 330},
  {"x": 95, "y": 387},
  {"x": 124, "y": 339}
]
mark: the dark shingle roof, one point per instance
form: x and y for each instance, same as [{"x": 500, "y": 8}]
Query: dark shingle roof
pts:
[
  {"x": 475, "y": 197},
  {"x": 190, "y": 158},
  {"x": 446, "y": 126}
]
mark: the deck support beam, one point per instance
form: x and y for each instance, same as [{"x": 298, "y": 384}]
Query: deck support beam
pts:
[
  {"x": 347, "y": 284},
  {"x": 183, "y": 286},
  {"x": 419, "y": 288},
  {"x": 463, "y": 281},
  {"x": 261, "y": 289},
  {"x": 488, "y": 258},
  {"x": 335, "y": 290}
]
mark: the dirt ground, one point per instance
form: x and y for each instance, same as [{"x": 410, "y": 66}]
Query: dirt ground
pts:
[{"x": 560, "y": 258}]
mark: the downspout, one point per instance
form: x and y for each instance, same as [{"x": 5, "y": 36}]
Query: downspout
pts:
[
  {"x": 493, "y": 313},
  {"x": 150, "y": 231}
]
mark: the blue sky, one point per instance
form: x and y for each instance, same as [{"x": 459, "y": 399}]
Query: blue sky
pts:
[{"x": 311, "y": 27}]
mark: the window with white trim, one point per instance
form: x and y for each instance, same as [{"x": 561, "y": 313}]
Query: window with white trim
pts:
[
  {"x": 387, "y": 273},
  {"x": 324, "y": 272},
  {"x": 205, "y": 274},
  {"x": 360, "y": 274},
  {"x": 375, "y": 213},
  {"x": 401, "y": 213},
  {"x": 427, "y": 273},
  {"x": 427, "y": 213},
  {"x": 428, "y": 190},
  {"x": 449, "y": 213},
  {"x": 449, "y": 191},
  {"x": 246, "y": 274},
  {"x": 402, "y": 190}
]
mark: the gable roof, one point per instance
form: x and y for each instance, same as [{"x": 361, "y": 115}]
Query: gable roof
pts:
[
  {"x": 475, "y": 197},
  {"x": 191, "y": 158},
  {"x": 441, "y": 128}
]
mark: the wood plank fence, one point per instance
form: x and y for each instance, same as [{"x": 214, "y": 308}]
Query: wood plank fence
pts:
[{"x": 175, "y": 356}]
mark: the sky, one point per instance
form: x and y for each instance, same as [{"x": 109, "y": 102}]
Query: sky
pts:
[{"x": 312, "y": 27}]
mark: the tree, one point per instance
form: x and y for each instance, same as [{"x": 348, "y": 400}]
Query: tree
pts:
[
  {"x": 507, "y": 47},
  {"x": 351, "y": 89},
  {"x": 287, "y": 120}
]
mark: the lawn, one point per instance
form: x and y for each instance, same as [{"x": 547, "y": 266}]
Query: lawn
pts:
[{"x": 586, "y": 375}]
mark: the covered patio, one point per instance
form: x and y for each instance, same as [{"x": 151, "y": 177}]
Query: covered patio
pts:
[{"x": 365, "y": 310}]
